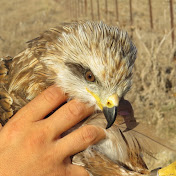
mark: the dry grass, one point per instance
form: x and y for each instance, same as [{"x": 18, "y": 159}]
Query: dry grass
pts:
[{"x": 153, "y": 94}]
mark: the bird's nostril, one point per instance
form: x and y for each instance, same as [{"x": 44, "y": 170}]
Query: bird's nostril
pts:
[{"x": 109, "y": 103}]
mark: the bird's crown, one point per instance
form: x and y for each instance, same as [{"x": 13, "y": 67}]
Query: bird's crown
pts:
[{"x": 107, "y": 50}]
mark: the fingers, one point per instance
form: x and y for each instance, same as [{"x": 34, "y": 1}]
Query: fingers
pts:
[
  {"x": 74, "y": 170},
  {"x": 67, "y": 116},
  {"x": 43, "y": 104},
  {"x": 80, "y": 139}
]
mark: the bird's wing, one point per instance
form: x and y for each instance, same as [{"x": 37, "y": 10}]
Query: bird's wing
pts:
[
  {"x": 26, "y": 75},
  {"x": 98, "y": 164},
  {"x": 33, "y": 70},
  {"x": 6, "y": 110}
]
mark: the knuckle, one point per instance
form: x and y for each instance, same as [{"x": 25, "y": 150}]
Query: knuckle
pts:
[
  {"x": 12, "y": 130},
  {"x": 89, "y": 134},
  {"x": 75, "y": 109},
  {"x": 38, "y": 138},
  {"x": 15, "y": 125},
  {"x": 49, "y": 96}
]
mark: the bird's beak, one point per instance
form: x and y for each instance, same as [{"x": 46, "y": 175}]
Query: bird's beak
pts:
[
  {"x": 110, "y": 109},
  {"x": 110, "y": 114}
]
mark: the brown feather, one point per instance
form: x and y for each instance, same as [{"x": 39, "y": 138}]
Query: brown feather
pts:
[
  {"x": 111, "y": 54},
  {"x": 130, "y": 144}
]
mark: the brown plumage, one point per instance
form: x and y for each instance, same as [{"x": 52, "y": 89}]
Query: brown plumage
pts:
[
  {"x": 93, "y": 63},
  {"x": 122, "y": 150},
  {"x": 125, "y": 150}
]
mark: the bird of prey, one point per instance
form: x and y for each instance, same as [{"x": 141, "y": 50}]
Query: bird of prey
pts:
[{"x": 93, "y": 63}]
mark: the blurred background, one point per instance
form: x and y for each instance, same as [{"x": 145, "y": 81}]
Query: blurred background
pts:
[{"x": 150, "y": 23}]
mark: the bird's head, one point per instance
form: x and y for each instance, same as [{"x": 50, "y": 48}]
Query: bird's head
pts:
[{"x": 96, "y": 65}]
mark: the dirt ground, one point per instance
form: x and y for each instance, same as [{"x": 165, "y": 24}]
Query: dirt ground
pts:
[{"x": 153, "y": 94}]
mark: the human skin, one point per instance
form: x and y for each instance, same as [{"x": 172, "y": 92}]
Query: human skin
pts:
[{"x": 31, "y": 145}]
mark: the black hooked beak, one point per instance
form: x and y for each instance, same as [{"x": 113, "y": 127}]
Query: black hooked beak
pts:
[{"x": 110, "y": 115}]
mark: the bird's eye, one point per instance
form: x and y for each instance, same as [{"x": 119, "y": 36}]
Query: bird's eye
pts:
[{"x": 89, "y": 76}]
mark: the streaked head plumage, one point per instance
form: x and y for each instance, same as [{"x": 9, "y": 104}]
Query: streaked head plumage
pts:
[{"x": 104, "y": 51}]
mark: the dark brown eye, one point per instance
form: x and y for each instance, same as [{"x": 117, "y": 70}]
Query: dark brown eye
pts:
[{"x": 89, "y": 76}]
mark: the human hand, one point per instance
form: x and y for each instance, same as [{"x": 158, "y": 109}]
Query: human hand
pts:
[{"x": 30, "y": 144}]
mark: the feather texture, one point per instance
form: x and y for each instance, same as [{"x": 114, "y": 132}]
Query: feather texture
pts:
[
  {"x": 61, "y": 56},
  {"x": 124, "y": 150}
]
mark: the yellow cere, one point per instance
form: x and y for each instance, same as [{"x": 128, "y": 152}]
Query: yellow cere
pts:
[
  {"x": 96, "y": 98},
  {"x": 112, "y": 101},
  {"x": 168, "y": 171}
]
